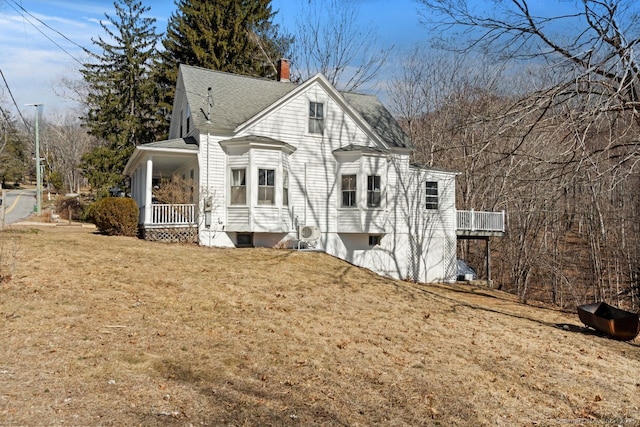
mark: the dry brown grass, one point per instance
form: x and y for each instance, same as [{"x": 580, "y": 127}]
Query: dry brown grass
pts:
[{"x": 100, "y": 330}]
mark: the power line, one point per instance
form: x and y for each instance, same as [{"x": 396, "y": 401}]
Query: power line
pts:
[
  {"x": 42, "y": 32},
  {"x": 4, "y": 114},
  {"x": 14, "y": 100}
]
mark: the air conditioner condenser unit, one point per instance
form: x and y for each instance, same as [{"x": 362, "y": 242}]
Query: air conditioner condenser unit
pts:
[{"x": 308, "y": 232}]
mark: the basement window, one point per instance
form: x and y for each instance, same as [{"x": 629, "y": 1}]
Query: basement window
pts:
[
  {"x": 244, "y": 240},
  {"x": 374, "y": 239}
]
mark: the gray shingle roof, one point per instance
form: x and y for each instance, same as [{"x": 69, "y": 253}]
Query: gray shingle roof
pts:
[
  {"x": 360, "y": 148},
  {"x": 379, "y": 118},
  {"x": 188, "y": 143},
  {"x": 237, "y": 99}
]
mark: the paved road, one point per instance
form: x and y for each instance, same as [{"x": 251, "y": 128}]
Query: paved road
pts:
[{"x": 18, "y": 205}]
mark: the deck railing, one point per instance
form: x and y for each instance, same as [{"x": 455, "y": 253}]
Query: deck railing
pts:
[
  {"x": 480, "y": 221},
  {"x": 179, "y": 214}
]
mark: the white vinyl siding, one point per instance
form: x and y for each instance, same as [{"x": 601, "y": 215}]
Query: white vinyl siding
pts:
[{"x": 313, "y": 191}]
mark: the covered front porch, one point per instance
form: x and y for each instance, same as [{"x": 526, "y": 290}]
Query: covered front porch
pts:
[{"x": 152, "y": 164}]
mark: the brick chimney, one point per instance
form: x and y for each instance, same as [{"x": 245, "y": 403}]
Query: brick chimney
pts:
[{"x": 284, "y": 71}]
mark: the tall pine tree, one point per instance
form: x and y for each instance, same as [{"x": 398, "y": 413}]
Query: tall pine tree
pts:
[
  {"x": 13, "y": 151},
  {"x": 236, "y": 36},
  {"x": 121, "y": 103}
]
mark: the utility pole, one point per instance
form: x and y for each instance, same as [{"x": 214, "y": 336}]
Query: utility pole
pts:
[{"x": 38, "y": 172}]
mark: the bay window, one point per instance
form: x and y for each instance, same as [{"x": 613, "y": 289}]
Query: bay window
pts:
[
  {"x": 349, "y": 191},
  {"x": 374, "y": 193},
  {"x": 266, "y": 186},
  {"x": 238, "y": 187}
]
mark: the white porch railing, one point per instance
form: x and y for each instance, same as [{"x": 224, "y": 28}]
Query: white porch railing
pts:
[
  {"x": 168, "y": 214},
  {"x": 480, "y": 221}
]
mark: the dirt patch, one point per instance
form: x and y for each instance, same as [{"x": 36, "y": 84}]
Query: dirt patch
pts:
[{"x": 119, "y": 331}]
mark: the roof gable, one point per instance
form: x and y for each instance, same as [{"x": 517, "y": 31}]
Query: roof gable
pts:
[
  {"x": 239, "y": 101},
  {"x": 366, "y": 110}
]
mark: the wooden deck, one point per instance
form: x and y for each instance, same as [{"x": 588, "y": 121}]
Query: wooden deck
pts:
[{"x": 478, "y": 224}]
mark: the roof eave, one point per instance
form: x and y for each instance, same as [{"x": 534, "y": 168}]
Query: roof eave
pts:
[{"x": 140, "y": 150}]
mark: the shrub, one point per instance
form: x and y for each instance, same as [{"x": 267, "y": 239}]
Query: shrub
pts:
[
  {"x": 174, "y": 191},
  {"x": 73, "y": 205},
  {"x": 55, "y": 178},
  {"x": 116, "y": 216}
]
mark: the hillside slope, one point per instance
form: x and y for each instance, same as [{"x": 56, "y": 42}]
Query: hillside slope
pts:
[{"x": 118, "y": 331}]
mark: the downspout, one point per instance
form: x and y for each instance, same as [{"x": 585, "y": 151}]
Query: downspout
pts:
[
  {"x": 207, "y": 188},
  {"x": 306, "y": 196}
]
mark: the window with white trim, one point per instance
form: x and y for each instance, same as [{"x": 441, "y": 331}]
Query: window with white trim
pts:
[
  {"x": 238, "y": 186},
  {"x": 285, "y": 187},
  {"x": 349, "y": 191},
  {"x": 374, "y": 193},
  {"x": 316, "y": 117},
  {"x": 266, "y": 186},
  {"x": 431, "y": 192},
  {"x": 188, "y": 120}
]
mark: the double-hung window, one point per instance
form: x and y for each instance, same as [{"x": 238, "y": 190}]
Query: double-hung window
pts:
[
  {"x": 285, "y": 187},
  {"x": 238, "y": 187},
  {"x": 349, "y": 191},
  {"x": 374, "y": 193},
  {"x": 431, "y": 191},
  {"x": 266, "y": 186},
  {"x": 316, "y": 117}
]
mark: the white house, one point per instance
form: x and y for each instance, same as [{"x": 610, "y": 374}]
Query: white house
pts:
[{"x": 304, "y": 166}]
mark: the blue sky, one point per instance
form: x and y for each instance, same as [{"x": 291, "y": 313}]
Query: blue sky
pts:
[{"x": 33, "y": 65}]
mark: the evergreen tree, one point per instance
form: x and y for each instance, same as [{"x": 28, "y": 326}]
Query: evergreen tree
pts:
[
  {"x": 236, "y": 36},
  {"x": 13, "y": 155},
  {"x": 120, "y": 101}
]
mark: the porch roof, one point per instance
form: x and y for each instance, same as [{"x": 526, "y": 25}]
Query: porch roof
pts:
[{"x": 167, "y": 155}]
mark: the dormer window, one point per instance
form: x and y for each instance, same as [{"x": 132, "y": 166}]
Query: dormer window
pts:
[{"x": 316, "y": 117}]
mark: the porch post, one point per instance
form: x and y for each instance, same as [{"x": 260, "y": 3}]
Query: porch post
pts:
[
  {"x": 488, "y": 255},
  {"x": 148, "y": 194}
]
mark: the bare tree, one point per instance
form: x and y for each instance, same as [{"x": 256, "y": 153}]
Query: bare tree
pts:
[
  {"x": 595, "y": 68},
  {"x": 64, "y": 143},
  {"x": 329, "y": 41},
  {"x": 571, "y": 203}
]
